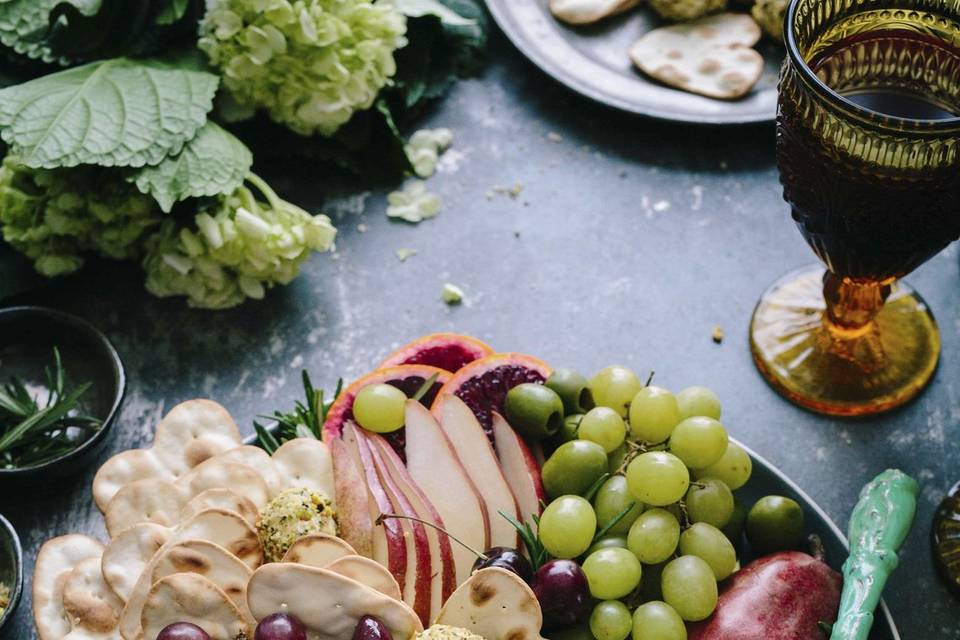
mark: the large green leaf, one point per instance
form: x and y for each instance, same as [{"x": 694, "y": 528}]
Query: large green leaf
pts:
[
  {"x": 214, "y": 162},
  {"x": 114, "y": 113}
]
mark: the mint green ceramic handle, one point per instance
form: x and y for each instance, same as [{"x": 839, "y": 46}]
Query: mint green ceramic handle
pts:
[{"x": 878, "y": 526}]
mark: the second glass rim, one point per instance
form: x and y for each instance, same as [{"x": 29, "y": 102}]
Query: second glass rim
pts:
[{"x": 874, "y": 118}]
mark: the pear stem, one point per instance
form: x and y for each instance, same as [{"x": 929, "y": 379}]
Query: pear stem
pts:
[{"x": 394, "y": 516}]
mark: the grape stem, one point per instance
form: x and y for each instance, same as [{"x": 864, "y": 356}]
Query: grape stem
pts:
[
  {"x": 394, "y": 516},
  {"x": 649, "y": 379},
  {"x": 698, "y": 485}
]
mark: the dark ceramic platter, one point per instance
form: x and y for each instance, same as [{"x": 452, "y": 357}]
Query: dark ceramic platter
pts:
[
  {"x": 768, "y": 480},
  {"x": 593, "y": 61}
]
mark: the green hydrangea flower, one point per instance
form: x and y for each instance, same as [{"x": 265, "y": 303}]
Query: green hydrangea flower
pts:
[
  {"x": 55, "y": 217},
  {"x": 239, "y": 248},
  {"x": 309, "y": 63}
]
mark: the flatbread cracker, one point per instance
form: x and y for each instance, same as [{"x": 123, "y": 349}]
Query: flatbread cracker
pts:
[
  {"x": 56, "y": 559},
  {"x": 317, "y": 550},
  {"x": 579, "y": 12},
  {"x": 496, "y": 604},
  {"x": 129, "y": 553},
  {"x": 189, "y": 434},
  {"x": 189, "y": 597},
  {"x": 91, "y": 607},
  {"x": 711, "y": 56},
  {"x": 221, "y": 499},
  {"x": 211, "y": 561},
  {"x": 328, "y": 604}
]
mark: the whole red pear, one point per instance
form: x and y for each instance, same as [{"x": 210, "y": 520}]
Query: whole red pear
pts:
[{"x": 782, "y": 596}]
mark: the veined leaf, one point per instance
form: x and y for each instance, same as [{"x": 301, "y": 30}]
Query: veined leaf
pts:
[
  {"x": 213, "y": 162},
  {"x": 172, "y": 11},
  {"x": 118, "y": 112}
]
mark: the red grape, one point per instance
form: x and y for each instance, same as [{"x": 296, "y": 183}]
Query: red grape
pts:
[
  {"x": 182, "y": 631},
  {"x": 563, "y": 592},
  {"x": 280, "y": 626},
  {"x": 370, "y": 628},
  {"x": 506, "y": 558}
]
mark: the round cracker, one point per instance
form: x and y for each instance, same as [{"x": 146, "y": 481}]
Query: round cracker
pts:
[
  {"x": 496, "y": 604},
  {"x": 128, "y": 554},
  {"x": 317, "y": 550},
  {"x": 193, "y": 432},
  {"x": 152, "y": 500},
  {"x": 91, "y": 606},
  {"x": 260, "y": 460},
  {"x": 368, "y": 572},
  {"x": 306, "y": 462},
  {"x": 327, "y": 603},
  {"x": 213, "y": 562},
  {"x": 586, "y": 11},
  {"x": 223, "y": 473},
  {"x": 56, "y": 559},
  {"x": 124, "y": 468},
  {"x": 224, "y": 528},
  {"x": 189, "y": 597},
  {"x": 221, "y": 499}
]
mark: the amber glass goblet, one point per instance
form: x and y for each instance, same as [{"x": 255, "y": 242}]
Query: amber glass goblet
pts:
[{"x": 868, "y": 147}]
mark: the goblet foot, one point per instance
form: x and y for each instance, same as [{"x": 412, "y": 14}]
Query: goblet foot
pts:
[{"x": 872, "y": 369}]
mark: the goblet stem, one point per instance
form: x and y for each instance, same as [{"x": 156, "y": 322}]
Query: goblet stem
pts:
[{"x": 851, "y": 305}]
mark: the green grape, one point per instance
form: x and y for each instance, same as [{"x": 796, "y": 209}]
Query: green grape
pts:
[
  {"x": 710, "y": 545},
  {"x": 612, "y": 498},
  {"x": 573, "y": 468},
  {"x": 657, "y": 478},
  {"x": 734, "y": 467},
  {"x": 614, "y": 387},
  {"x": 711, "y": 503},
  {"x": 653, "y": 414},
  {"x": 654, "y": 535},
  {"x": 774, "y": 523},
  {"x": 380, "y": 408},
  {"x": 611, "y": 620},
  {"x": 607, "y": 542},
  {"x": 698, "y": 401},
  {"x": 604, "y": 426},
  {"x": 611, "y": 573},
  {"x": 567, "y": 527},
  {"x": 657, "y": 620},
  {"x": 689, "y": 587},
  {"x": 699, "y": 442}
]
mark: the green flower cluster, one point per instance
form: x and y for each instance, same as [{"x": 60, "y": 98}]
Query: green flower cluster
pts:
[
  {"x": 56, "y": 216},
  {"x": 240, "y": 247},
  {"x": 309, "y": 63}
]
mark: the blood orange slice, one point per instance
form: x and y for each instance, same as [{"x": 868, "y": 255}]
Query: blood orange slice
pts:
[
  {"x": 447, "y": 351},
  {"x": 408, "y": 378},
  {"x": 483, "y": 384}
]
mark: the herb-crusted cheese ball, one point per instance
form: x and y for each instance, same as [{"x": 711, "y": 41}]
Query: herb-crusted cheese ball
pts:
[
  {"x": 682, "y": 10},
  {"x": 446, "y": 632},
  {"x": 769, "y": 14},
  {"x": 294, "y": 513}
]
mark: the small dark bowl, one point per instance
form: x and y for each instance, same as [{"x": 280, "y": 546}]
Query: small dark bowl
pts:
[
  {"x": 27, "y": 338},
  {"x": 11, "y": 567}
]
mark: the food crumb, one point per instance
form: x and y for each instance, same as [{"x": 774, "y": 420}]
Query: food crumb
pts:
[
  {"x": 451, "y": 294},
  {"x": 404, "y": 253},
  {"x": 717, "y": 334},
  {"x": 362, "y": 228},
  {"x": 513, "y": 191},
  {"x": 414, "y": 203}
]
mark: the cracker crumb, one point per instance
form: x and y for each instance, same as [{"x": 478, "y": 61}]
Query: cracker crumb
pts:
[
  {"x": 451, "y": 294},
  {"x": 717, "y": 334}
]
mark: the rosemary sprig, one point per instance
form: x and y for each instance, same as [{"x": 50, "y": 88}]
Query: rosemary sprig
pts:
[
  {"x": 32, "y": 432},
  {"x": 305, "y": 421}
]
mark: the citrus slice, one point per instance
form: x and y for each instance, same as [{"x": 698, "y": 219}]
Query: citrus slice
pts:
[
  {"x": 408, "y": 378},
  {"x": 447, "y": 351},
  {"x": 946, "y": 539},
  {"x": 483, "y": 384}
]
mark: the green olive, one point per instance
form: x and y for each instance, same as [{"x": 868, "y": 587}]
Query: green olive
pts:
[
  {"x": 535, "y": 411},
  {"x": 774, "y": 523},
  {"x": 572, "y": 389},
  {"x": 573, "y": 468}
]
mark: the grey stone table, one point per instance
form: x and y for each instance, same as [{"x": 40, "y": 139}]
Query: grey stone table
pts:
[{"x": 629, "y": 241}]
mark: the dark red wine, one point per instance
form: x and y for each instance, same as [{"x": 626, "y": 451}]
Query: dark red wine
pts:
[{"x": 900, "y": 105}]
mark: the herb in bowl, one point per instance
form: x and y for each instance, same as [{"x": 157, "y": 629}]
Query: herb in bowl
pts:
[{"x": 35, "y": 430}]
